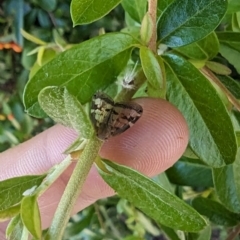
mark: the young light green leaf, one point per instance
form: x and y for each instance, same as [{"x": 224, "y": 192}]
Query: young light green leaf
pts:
[
  {"x": 59, "y": 40},
  {"x": 189, "y": 174},
  {"x": 135, "y": 8},
  {"x": 11, "y": 190},
  {"x": 83, "y": 12},
  {"x": 78, "y": 144},
  {"x": 153, "y": 72},
  {"x": 150, "y": 198},
  {"x": 146, "y": 29},
  {"x": 218, "y": 68},
  {"x": 64, "y": 108},
  {"x": 32, "y": 38},
  {"x": 202, "y": 107},
  {"x": 227, "y": 185},
  {"x": 44, "y": 55},
  {"x": 11, "y": 225},
  {"x": 182, "y": 22},
  {"x": 31, "y": 216},
  {"x": 215, "y": 212},
  {"x": 205, "y": 49},
  {"x": 231, "y": 54},
  {"x": 16, "y": 230},
  {"x": 82, "y": 69},
  {"x": 235, "y": 23}
]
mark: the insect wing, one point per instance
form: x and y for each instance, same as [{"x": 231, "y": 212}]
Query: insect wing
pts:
[
  {"x": 109, "y": 118},
  {"x": 124, "y": 116}
]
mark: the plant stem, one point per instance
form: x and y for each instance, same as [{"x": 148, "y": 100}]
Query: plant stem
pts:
[
  {"x": 127, "y": 94},
  {"x": 53, "y": 175},
  {"x": 214, "y": 79},
  {"x": 152, "y": 10},
  {"x": 108, "y": 221},
  {"x": 73, "y": 189},
  {"x": 234, "y": 233}
]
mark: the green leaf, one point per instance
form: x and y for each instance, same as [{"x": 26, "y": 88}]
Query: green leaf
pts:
[
  {"x": 216, "y": 212},
  {"x": 131, "y": 22},
  {"x": 171, "y": 233},
  {"x": 227, "y": 185},
  {"x": 83, "y": 69},
  {"x": 64, "y": 108},
  {"x": 47, "y": 5},
  {"x": 11, "y": 190},
  {"x": 43, "y": 19},
  {"x": 204, "y": 234},
  {"x": 134, "y": 31},
  {"x": 207, "y": 48},
  {"x": 9, "y": 213},
  {"x": 236, "y": 115},
  {"x": 230, "y": 47},
  {"x": 187, "y": 21},
  {"x": 83, "y": 12},
  {"x": 76, "y": 227},
  {"x": 162, "y": 5},
  {"x": 153, "y": 72},
  {"x": 232, "y": 85},
  {"x": 190, "y": 174},
  {"x": 135, "y": 8},
  {"x": 233, "y": 6},
  {"x": 208, "y": 120},
  {"x": 150, "y": 198},
  {"x": 31, "y": 216},
  {"x": 229, "y": 38}
]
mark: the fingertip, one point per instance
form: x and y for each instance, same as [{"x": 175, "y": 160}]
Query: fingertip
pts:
[{"x": 154, "y": 143}]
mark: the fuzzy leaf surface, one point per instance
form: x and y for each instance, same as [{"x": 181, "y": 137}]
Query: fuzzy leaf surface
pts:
[{"x": 152, "y": 199}]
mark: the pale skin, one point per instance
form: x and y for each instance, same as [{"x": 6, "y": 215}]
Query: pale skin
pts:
[{"x": 154, "y": 144}]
